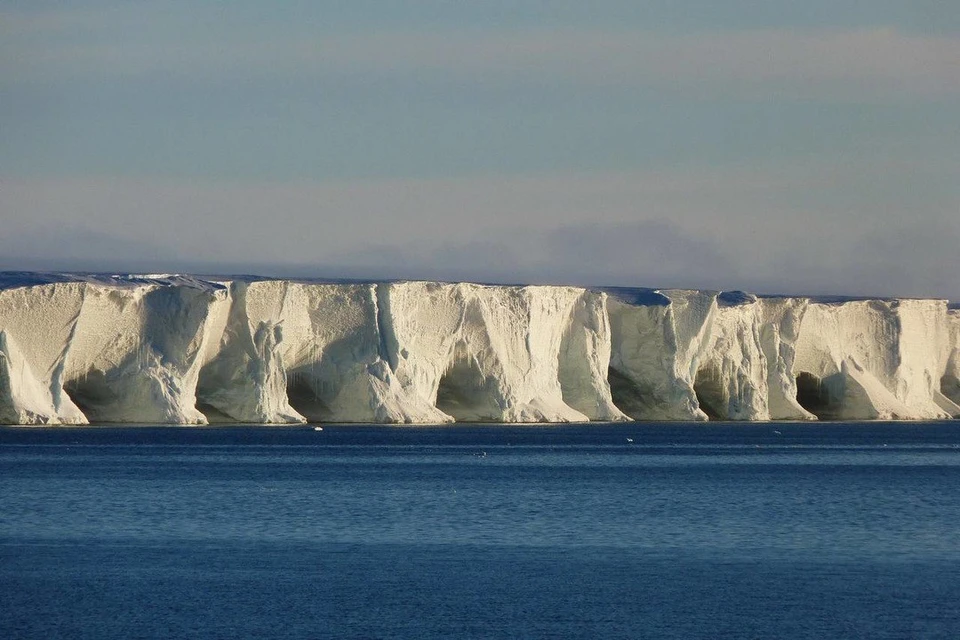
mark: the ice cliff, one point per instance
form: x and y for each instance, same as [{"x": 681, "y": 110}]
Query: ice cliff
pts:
[{"x": 183, "y": 350}]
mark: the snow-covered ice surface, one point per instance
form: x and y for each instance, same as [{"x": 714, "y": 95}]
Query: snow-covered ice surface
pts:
[{"x": 168, "y": 348}]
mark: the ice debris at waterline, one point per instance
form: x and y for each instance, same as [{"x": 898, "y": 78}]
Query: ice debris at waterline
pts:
[{"x": 183, "y": 350}]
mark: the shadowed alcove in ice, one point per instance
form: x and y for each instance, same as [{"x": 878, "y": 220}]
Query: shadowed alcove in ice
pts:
[
  {"x": 626, "y": 394},
  {"x": 950, "y": 387},
  {"x": 710, "y": 393},
  {"x": 819, "y": 396},
  {"x": 7, "y": 413},
  {"x": 304, "y": 395},
  {"x": 212, "y": 414},
  {"x": 213, "y": 401},
  {"x": 93, "y": 394},
  {"x": 466, "y": 394}
]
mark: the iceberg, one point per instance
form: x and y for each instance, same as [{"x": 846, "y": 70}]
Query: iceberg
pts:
[{"x": 179, "y": 349}]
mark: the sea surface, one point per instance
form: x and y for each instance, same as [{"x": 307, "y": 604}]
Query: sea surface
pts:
[{"x": 586, "y": 531}]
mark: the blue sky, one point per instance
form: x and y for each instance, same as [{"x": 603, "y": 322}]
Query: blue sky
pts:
[{"x": 773, "y": 146}]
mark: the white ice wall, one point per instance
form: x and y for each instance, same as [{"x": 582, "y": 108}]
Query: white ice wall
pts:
[
  {"x": 657, "y": 339},
  {"x": 681, "y": 355},
  {"x": 731, "y": 380},
  {"x": 242, "y": 378},
  {"x": 123, "y": 350},
  {"x": 176, "y": 349},
  {"x": 502, "y": 354},
  {"x": 136, "y": 351},
  {"x": 950, "y": 381},
  {"x": 36, "y": 328},
  {"x": 584, "y": 359},
  {"x": 878, "y": 359},
  {"x": 780, "y": 320}
]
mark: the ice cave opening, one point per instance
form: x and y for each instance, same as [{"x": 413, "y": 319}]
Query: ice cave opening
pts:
[
  {"x": 304, "y": 396},
  {"x": 950, "y": 387},
  {"x": 816, "y": 396},
  {"x": 209, "y": 394},
  {"x": 4, "y": 377},
  {"x": 574, "y": 373},
  {"x": 7, "y": 414},
  {"x": 465, "y": 393},
  {"x": 710, "y": 394},
  {"x": 211, "y": 413},
  {"x": 92, "y": 393},
  {"x": 626, "y": 394}
]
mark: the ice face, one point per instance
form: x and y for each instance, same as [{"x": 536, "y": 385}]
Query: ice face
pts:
[
  {"x": 656, "y": 343},
  {"x": 178, "y": 349},
  {"x": 876, "y": 359},
  {"x": 502, "y": 354},
  {"x": 949, "y": 397}
]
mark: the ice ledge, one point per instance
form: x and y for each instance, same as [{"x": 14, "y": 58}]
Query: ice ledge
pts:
[{"x": 176, "y": 348}]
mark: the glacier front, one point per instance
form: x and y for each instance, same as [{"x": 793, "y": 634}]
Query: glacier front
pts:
[{"x": 175, "y": 349}]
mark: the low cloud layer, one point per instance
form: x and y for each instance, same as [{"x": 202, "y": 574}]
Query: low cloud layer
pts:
[
  {"x": 825, "y": 62},
  {"x": 392, "y": 230}
]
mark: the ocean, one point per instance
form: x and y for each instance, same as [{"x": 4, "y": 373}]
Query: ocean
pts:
[{"x": 716, "y": 530}]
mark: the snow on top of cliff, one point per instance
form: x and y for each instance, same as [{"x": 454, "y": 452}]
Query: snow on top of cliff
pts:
[
  {"x": 14, "y": 279},
  {"x": 735, "y": 298},
  {"x": 18, "y": 279},
  {"x": 837, "y": 299},
  {"x": 638, "y": 296}
]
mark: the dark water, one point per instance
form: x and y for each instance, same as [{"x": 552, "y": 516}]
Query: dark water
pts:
[{"x": 688, "y": 531}]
